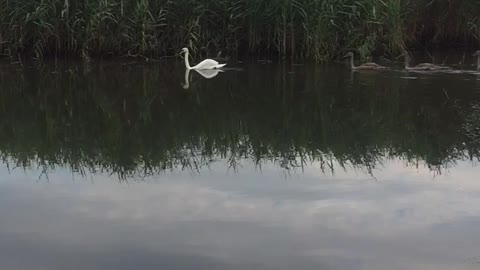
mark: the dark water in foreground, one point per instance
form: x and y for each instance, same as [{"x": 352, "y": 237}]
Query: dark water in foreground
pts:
[{"x": 131, "y": 166}]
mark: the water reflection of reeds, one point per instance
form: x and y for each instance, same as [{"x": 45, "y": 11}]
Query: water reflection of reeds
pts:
[{"x": 137, "y": 120}]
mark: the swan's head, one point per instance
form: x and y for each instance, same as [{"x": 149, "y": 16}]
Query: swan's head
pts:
[
  {"x": 184, "y": 50},
  {"x": 477, "y": 53},
  {"x": 349, "y": 54}
]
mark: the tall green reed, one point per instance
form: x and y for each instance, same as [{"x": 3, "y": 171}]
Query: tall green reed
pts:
[{"x": 305, "y": 29}]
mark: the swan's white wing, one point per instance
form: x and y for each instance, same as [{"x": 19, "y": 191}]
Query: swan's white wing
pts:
[{"x": 208, "y": 64}]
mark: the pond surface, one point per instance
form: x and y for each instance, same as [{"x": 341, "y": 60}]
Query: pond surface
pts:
[{"x": 127, "y": 165}]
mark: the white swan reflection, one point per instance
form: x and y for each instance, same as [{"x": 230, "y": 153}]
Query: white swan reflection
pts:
[{"x": 206, "y": 73}]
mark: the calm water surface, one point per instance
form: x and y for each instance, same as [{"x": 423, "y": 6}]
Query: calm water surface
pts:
[{"x": 124, "y": 165}]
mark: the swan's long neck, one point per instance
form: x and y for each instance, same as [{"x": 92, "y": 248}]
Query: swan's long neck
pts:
[
  {"x": 352, "y": 62},
  {"x": 478, "y": 61},
  {"x": 407, "y": 60},
  {"x": 187, "y": 78},
  {"x": 187, "y": 63}
]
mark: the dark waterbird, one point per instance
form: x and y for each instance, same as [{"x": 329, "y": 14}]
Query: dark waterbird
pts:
[
  {"x": 366, "y": 66},
  {"x": 422, "y": 66}
]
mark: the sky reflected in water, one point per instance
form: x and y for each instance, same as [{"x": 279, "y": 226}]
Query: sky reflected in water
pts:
[{"x": 406, "y": 218}]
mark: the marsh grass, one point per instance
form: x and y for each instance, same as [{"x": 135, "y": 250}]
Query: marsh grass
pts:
[{"x": 307, "y": 29}]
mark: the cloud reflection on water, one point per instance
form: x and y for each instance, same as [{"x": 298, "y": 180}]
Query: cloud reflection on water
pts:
[{"x": 248, "y": 220}]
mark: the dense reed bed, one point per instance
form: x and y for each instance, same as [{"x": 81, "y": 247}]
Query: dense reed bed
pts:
[{"x": 308, "y": 29}]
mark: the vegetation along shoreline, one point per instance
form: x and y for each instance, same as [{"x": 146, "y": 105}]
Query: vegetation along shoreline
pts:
[{"x": 317, "y": 30}]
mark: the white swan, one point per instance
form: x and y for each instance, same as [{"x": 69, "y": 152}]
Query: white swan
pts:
[{"x": 205, "y": 64}]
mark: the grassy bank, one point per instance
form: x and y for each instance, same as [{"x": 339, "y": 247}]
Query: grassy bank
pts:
[{"x": 311, "y": 29}]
